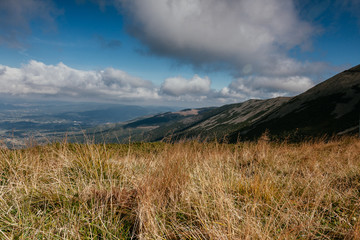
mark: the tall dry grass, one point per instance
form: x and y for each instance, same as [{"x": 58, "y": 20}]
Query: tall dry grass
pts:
[{"x": 253, "y": 190}]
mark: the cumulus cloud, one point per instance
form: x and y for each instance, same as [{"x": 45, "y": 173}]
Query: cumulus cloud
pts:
[
  {"x": 251, "y": 38},
  {"x": 236, "y": 32},
  {"x": 263, "y": 86},
  {"x": 287, "y": 67},
  {"x": 39, "y": 79},
  {"x": 178, "y": 86},
  {"x": 60, "y": 81},
  {"x": 36, "y": 79},
  {"x": 199, "y": 89},
  {"x": 16, "y": 15}
]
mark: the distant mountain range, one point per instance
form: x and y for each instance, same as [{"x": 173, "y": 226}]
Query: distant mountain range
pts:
[{"x": 330, "y": 108}]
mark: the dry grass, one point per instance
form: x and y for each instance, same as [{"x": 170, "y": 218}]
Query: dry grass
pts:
[{"x": 255, "y": 190}]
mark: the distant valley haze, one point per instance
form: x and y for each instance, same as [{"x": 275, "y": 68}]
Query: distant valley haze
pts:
[{"x": 72, "y": 65}]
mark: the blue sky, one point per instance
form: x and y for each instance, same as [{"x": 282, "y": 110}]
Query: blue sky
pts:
[{"x": 173, "y": 52}]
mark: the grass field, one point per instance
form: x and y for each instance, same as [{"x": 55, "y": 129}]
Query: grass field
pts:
[{"x": 189, "y": 190}]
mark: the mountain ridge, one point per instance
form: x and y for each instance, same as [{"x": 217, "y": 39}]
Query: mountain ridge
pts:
[
  {"x": 321, "y": 110},
  {"x": 332, "y": 107}
]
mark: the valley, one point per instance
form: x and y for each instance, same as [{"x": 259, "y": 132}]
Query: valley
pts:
[{"x": 38, "y": 123}]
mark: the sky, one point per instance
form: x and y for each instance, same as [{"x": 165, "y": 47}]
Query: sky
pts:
[{"x": 188, "y": 53}]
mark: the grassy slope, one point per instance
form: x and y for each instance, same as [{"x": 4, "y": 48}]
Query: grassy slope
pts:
[
  {"x": 254, "y": 190},
  {"x": 141, "y": 129},
  {"x": 215, "y": 123},
  {"x": 330, "y": 107}
]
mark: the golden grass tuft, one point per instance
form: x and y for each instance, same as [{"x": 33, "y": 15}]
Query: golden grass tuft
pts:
[{"x": 189, "y": 190}]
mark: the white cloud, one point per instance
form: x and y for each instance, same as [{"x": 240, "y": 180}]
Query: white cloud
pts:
[
  {"x": 63, "y": 82},
  {"x": 178, "y": 86},
  {"x": 267, "y": 87},
  {"x": 36, "y": 78},
  {"x": 199, "y": 89},
  {"x": 287, "y": 67},
  {"x": 237, "y": 32}
]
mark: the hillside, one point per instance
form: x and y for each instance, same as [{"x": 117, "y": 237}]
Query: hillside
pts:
[
  {"x": 331, "y": 107},
  {"x": 137, "y": 129},
  {"x": 203, "y": 123},
  {"x": 219, "y": 122}
]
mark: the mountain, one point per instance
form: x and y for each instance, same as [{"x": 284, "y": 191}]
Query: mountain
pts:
[
  {"x": 146, "y": 128},
  {"x": 330, "y": 108},
  {"x": 203, "y": 123},
  {"x": 110, "y": 114},
  {"x": 219, "y": 122}
]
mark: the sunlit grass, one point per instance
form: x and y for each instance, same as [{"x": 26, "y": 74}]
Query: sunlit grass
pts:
[{"x": 252, "y": 190}]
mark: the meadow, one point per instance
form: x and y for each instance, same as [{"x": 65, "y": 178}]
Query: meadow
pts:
[{"x": 185, "y": 190}]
